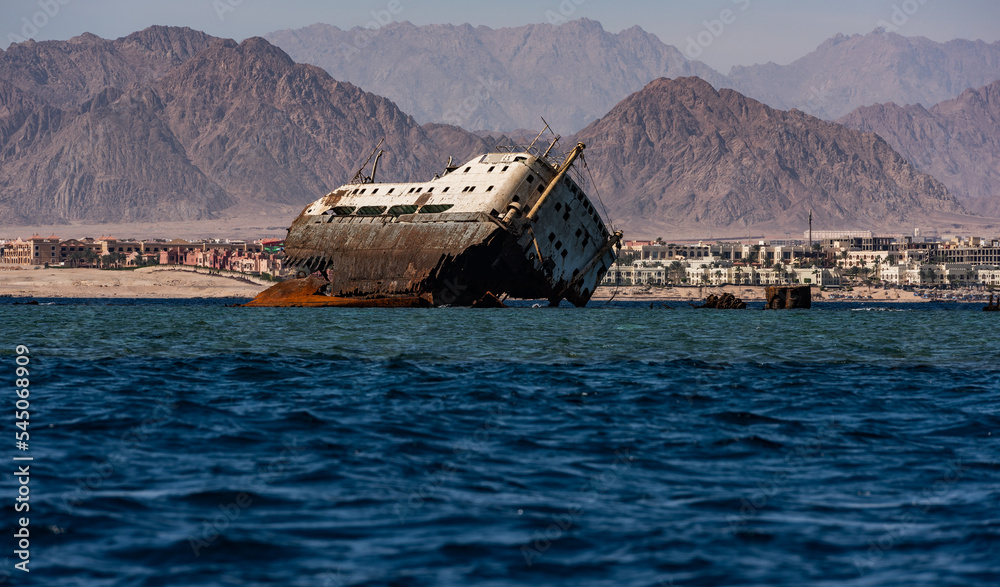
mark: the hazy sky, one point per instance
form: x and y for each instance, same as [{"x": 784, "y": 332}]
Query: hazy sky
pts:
[{"x": 752, "y": 31}]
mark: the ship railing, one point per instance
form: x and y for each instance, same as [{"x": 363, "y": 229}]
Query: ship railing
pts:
[{"x": 553, "y": 159}]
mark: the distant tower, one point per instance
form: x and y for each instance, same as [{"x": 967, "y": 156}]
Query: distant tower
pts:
[{"x": 810, "y": 230}]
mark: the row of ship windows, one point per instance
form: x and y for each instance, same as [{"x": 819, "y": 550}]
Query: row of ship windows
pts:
[
  {"x": 415, "y": 190},
  {"x": 466, "y": 189},
  {"x": 393, "y": 211},
  {"x": 490, "y": 170}
]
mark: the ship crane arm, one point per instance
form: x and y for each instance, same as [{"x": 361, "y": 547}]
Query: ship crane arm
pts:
[
  {"x": 576, "y": 152},
  {"x": 359, "y": 177}
]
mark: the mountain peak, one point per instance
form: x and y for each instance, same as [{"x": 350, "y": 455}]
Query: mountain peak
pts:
[
  {"x": 67, "y": 74},
  {"x": 261, "y": 45},
  {"x": 846, "y": 72},
  {"x": 689, "y": 83},
  {"x": 236, "y": 125},
  {"x": 495, "y": 79},
  {"x": 254, "y": 53},
  {"x": 85, "y": 39},
  {"x": 958, "y": 141},
  {"x": 677, "y": 155},
  {"x": 586, "y": 24}
]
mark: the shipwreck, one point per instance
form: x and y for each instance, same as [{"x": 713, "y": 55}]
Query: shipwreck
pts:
[{"x": 510, "y": 223}]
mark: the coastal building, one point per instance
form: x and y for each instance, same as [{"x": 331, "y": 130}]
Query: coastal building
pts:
[
  {"x": 243, "y": 256},
  {"x": 924, "y": 274},
  {"x": 717, "y": 273},
  {"x": 724, "y": 251},
  {"x": 635, "y": 273},
  {"x": 988, "y": 275},
  {"x": 980, "y": 254},
  {"x": 36, "y": 250},
  {"x": 901, "y": 260},
  {"x": 80, "y": 252},
  {"x": 863, "y": 258},
  {"x": 244, "y": 259}
]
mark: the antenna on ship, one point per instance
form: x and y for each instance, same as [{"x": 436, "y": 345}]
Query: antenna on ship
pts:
[
  {"x": 539, "y": 136},
  {"x": 554, "y": 141},
  {"x": 360, "y": 177}
]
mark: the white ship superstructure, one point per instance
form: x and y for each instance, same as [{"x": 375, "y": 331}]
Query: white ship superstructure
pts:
[{"x": 502, "y": 224}]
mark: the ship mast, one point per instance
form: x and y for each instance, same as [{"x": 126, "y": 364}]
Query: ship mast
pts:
[{"x": 538, "y": 137}]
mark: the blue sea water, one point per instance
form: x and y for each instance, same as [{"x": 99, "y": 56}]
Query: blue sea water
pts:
[{"x": 190, "y": 443}]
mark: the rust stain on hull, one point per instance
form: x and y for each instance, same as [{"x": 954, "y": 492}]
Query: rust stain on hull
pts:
[{"x": 307, "y": 292}]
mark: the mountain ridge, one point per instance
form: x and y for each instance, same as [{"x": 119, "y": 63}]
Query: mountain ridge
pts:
[
  {"x": 493, "y": 79},
  {"x": 234, "y": 125},
  {"x": 846, "y": 72},
  {"x": 956, "y": 141},
  {"x": 242, "y": 126},
  {"x": 723, "y": 160}
]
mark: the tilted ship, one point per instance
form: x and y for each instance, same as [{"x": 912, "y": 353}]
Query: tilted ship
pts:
[{"x": 511, "y": 223}]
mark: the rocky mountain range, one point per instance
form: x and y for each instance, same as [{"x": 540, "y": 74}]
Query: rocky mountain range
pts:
[
  {"x": 65, "y": 74},
  {"x": 170, "y": 124},
  {"x": 847, "y": 72},
  {"x": 494, "y": 79},
  {"x": 571, "y": 74},
  {"x": 680, "y": 156},
  {"x": 956, "y": 141},
  {"x": 227, "y": 126}
]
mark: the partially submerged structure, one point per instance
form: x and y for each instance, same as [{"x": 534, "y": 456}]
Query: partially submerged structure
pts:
[
  {"x": 782, "y": 298},
  {"x": 509, "y": 223}
]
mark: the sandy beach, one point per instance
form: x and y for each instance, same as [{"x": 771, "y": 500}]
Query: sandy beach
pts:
[{"x": 147, "y": 282}]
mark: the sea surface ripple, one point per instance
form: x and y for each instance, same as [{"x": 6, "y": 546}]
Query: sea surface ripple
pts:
[{"x": 191, "y": 443}]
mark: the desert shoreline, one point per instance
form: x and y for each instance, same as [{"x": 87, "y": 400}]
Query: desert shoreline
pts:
[
  {"x": 143, "y": 283},
  {"x": 190, "y": 283}
]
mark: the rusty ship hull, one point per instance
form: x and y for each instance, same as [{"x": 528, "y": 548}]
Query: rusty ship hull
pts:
[{"x": 503, "y": 224}]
